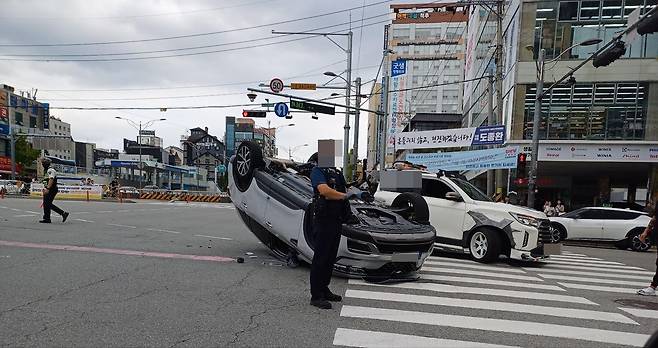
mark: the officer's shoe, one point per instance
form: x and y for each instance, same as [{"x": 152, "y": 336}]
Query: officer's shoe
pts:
[
  {"x": 330, "y": 296},
  {"x": 44, "y": 221},
  {"x": 321, "y": 303}
]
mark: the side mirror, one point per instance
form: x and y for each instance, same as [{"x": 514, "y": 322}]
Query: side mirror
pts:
[{"x": 453, "y": 196}]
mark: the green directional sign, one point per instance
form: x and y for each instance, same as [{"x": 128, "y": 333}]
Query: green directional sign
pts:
[{"x": 301, "y": 105}]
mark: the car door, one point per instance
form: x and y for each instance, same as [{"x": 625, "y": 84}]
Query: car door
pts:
[
  {"x": 618, "y": 223},
  {"x": 447, "y": 216},
  {"x": 588, "y": 224}
]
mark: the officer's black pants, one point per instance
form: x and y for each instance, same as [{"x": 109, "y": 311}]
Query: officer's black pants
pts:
[
  {"x": 48, "y": 205},
  {"x": 327, "y": 239}
]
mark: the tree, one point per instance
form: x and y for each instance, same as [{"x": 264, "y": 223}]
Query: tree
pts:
[{"x": 25, "y": 154}]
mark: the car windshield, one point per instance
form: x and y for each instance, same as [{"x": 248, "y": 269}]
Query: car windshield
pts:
[{"x": 471, "y": 190}]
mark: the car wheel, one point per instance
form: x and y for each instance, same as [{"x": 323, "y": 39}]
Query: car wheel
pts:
[
  {"x": 248, "y": 158},
  {"x": 415, "y": 207},
  {"x": 558, "y": 233},
  {"x": 484, "y": 245},
  {"x": 636, "y": 244}
]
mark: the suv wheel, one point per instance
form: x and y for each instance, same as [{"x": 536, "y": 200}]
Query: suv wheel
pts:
[
  {"x": 484, "y": 245},
  {"x": 248, "y": 158},
  {"x": 413, "y": 207}
]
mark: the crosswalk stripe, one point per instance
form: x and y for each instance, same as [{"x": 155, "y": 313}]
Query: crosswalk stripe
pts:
[
  {"x": 585, "y": 261},
  {"x": 491, "y": 305},
  {"x": 642, "y": 313},
  {"x": 609, "y": 274},
  {"x": 480, "y": 273},
  {"x": 454, "y": 289},
  {"x": 575, "y": 257},
  {"x": 594, "y": 265},
  {"x": 598, "y": 288},
  {"x": 592, "y": 280},
  {"x": 567, "y": 253},
  {"x": 498, "y": 325},
  {"x": 475, "y": 266},
  {"x": 489, "y": 282},
  {"x": 451, "y": 259},
  {"x": 376, "y": 339}
]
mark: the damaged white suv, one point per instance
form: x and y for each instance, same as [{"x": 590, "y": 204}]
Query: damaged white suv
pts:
[{"x": 468, "y": 221}]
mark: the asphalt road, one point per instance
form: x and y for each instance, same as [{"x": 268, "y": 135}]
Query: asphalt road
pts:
[{"x": 164, "y": 274}]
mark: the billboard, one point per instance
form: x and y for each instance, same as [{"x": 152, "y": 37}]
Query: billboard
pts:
[{"x": 582, "y": 152}]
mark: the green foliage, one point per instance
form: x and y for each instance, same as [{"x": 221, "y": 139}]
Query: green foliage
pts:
[{"x": 25, "y": 154}]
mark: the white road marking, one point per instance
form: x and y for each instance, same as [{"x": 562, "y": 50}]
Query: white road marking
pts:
[
  {"x": 490, "y": 282},
  {"x": 642, "y": 313},
  {"x": 376, "y": 339},
  {"x": 479, "y": 273},
  {"x": 3, "y": 207},
  {"x": 118, "y": 225},
  {"x": 25, "y": 215},
  {"x": 105, "y": 211},
  {"x": 14, "y": 209},
  {"x": 475, "y": 266},
  {"x": 82, "y": 220},
  {"x": 610, "y": 264},
  {"x": 161, "y": 230},
  {"x": 445, "y": 288},
  {"x": 498, "y": 325},
  {"x": 32, "y": 212},
  {"x": 598, "y": 288},
  {"x": 626, "y": 275},
  {"x": 80, "y": 212},
  {"x": 566, "y": 253},
  {"x": 491, "y": 305},
  {"x": 222, "y": 238},
  {"x": 573, "y": 258},
  {"x": 592, "y": 280},
  {"x": 625, "y": 269}
]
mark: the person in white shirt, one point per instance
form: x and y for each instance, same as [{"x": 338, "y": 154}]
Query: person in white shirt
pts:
[{"x": 49, "y": 192}]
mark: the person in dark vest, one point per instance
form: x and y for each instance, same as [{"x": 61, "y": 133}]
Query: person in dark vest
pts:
[
  {"x": 331, "y": 209},
  {"x": 651, "y": 232},
  {"x": 49, "y": 192}
]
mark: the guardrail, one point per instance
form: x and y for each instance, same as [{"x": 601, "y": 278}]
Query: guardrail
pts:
[{"x": 187, "y": 196}]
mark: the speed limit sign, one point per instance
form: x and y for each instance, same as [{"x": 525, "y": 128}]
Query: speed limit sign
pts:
[{"x": 276, "y": 85}]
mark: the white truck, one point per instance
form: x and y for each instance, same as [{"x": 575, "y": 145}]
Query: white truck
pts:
[{"x": 468, "y": 221}]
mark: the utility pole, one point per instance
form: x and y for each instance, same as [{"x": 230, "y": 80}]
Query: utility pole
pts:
[
  {"x": 532, "y": 176},
  {"x": 491, "y": 118},
  {"x": 139, "y": 143},
  {"x": 12, "y": 148},
  {"x": 355, "y": 156},
  {"x": 499, "y": 81},
  {"x": 382, "y": 123},
  {"x": 348, "y": 90}
]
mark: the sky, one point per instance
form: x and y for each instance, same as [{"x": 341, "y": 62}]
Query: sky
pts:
[{"x": 218, "y": 78}]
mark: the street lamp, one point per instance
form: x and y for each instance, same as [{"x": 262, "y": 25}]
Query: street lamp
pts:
[
  {"x": 540, "y": 64},
  {"x": 139, "y": 126},
  {"x": 292, "y": 150}
]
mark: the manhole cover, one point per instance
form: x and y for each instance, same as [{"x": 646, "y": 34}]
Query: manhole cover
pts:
[{"x": 638, "y": 304}]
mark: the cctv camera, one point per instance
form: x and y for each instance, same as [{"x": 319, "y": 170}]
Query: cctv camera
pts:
[{"x": 251, "y": 96}]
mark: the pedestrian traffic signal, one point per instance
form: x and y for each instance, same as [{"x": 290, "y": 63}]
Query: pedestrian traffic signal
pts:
[
  {"x": 648, "y": 25},
  {"x": 611, "y": 54},
  {"x": 521, "y": 160},
  {"x": 254, "y": 113}
]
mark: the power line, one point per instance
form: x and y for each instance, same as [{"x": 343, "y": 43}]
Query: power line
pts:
[
  {"x": 437, "y": 84},
  {"x": 213, "y": 9},
  {"x": 262, "y": 38},
  {"x": 176, "y": 55},
  {"x": 198, "y": 34}
]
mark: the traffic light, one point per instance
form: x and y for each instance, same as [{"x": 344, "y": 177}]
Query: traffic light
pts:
[
  {"x": 521, "y": 160},
  {"x": 648, "y": 25},
  {"x": 254, "y": 113},
  {"x": 611, "y": 54}
]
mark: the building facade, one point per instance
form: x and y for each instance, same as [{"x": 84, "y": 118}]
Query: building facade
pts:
[
  {"x": 201, "y": 149},
  {"x": 427, "y": 43},
  {"x": 148, "y": 137},
  {"x": 241, "y": 129},
  {"x": 598, "y": 134}
]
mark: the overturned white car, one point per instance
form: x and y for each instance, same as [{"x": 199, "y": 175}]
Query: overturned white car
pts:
[{"x": 274, "y": 199}]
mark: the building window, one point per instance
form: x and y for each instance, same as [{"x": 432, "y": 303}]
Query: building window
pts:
[
  {"x": 18, "y": 118},
  {"x": 33, "y": 122},
  {"x": 568, "y": 10}
]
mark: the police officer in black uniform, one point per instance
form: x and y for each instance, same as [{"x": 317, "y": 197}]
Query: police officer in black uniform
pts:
[
  {"x": 50, "y": 190},
  {"x": 330, "y": 211}
]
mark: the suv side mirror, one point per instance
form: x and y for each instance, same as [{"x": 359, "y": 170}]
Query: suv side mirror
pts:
[{"x": 453, "y": 196}]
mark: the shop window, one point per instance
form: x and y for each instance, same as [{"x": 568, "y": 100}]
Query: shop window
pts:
[{"x": 568, "y": 11}]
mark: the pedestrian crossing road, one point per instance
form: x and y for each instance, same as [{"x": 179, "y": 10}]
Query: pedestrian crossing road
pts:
[{"x": 570, "y": 300}]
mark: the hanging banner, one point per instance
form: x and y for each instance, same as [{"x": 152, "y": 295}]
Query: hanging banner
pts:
[
  {"x": 458, "y": 137},
  {"x": 499, "y": 158}
]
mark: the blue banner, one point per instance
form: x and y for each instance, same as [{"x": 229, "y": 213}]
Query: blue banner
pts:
[
  {"x": 499, "y": 158},
  {"x": 4, "y": 128},
  {"x": 489, "y": 135},
  {"x": 398, "y": 67}
]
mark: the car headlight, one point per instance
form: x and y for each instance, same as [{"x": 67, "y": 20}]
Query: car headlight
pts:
[{"x": 526, "y": 219}]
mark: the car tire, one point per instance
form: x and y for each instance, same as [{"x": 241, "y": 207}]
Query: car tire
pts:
[
  {"x": 248, "y": 157},
  {"x": 635, "y": 243},
  {"x": 415, "y": 206},
  {"x": 558, "y": 233},
  {"x": 484, "y": 245}
]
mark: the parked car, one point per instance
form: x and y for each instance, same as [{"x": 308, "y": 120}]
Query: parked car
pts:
[
  {"x": 128, "y": 192},
  {"x": 274, "y": 199},
  {"x": 621, "y": 226},
  {"x": 468, "y": 221}
]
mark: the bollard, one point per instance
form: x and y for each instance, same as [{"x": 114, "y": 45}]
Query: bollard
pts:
[{"x": 87, "y": 195}]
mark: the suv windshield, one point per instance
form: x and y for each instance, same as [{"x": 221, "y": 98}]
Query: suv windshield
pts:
[{"x": 471, "y": 190}]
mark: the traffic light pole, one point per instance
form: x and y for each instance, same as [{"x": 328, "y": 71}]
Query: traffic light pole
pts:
[
  {"x": 355, "y": 155},
  {"x": 532, "y": 177}
]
